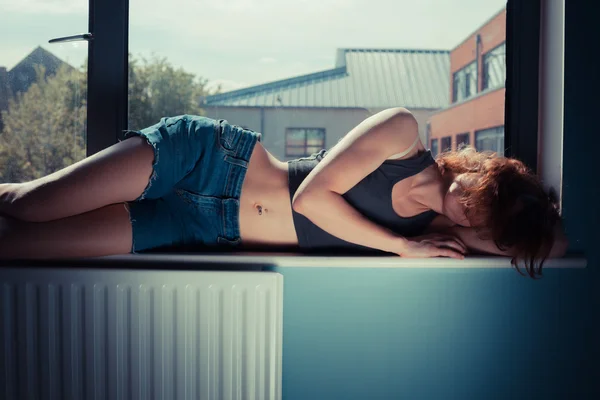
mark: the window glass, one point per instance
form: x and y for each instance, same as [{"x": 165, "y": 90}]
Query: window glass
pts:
[
  {"x": 303, "y": 142},
  {"x": 42, "y": 88},
  {"x": 446, "y": 144},
  {"x": 434, "y": 147},
  {"x": 494, "y": 68},
  {"x": 490, "y": 139},
  {"x": 271, "y": 65},
  {"x": 478, "y": 71},
  {"x": 465, "y": 82},
  {"x": 462, "y": 140}
]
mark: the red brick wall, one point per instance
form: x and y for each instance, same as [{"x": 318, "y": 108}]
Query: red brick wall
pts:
[
  {"x": 484, "y": 111},
  {"x": 492, "y": 34}
]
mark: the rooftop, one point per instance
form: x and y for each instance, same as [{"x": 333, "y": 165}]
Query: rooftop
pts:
[{"x": 363, "y": 78}]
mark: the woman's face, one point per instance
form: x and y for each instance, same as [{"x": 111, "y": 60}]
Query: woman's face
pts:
[{"x": 452, "y": 207}]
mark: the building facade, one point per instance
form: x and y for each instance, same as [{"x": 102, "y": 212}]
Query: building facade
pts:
[
  {"x": 301, "y": 115},
  {"x": 477, "y": 74}
]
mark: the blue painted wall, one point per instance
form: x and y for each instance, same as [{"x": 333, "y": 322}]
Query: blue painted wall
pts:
[{"x": 458, "y": 334}]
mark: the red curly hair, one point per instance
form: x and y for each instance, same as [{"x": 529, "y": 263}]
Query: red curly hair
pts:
[{"x": 507, "y": 205}]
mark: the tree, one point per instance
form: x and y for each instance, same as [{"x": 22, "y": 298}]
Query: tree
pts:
[
  {"x": 45, "y": 127},
  {"x": 157, "y": 89}
]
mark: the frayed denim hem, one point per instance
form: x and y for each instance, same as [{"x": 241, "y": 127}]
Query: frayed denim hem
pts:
[{"x": 128, "y": 134}]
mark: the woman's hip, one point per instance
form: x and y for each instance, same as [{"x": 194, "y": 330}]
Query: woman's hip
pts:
[{"x": 198, "y": 173}]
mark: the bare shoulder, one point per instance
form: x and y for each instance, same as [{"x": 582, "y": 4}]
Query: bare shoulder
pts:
[
  {"x": 402, "y": 122},
  {"x": 393, "y": 129},
  {"x": 362, "y": 151},
  {"x": 378, "y": 138}
]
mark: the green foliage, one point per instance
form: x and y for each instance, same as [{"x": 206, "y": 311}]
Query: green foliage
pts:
[
  {"x": 45, "y": 127},
  {"x": 157, "y": 89}
]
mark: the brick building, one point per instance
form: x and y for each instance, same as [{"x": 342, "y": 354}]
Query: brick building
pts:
[{"x": 475, "y": 115}]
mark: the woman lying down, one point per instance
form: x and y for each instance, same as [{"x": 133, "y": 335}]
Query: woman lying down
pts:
[{"x": 191, "y": 180}]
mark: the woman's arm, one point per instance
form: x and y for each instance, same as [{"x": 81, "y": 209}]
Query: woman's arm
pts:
[
  {"x": 360, "y": 152},
  {"x": 475, "y": 244}
]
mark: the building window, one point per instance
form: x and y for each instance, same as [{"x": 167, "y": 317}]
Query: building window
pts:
[
  {"x": 434, "y": 147},
  {"x": 462, "y": 140},
  {"x": 490, "y": 139},
  {"x": 494, "y": 68},
  {"x": 301, "y": 142},
  {"x": 465, "y": 82},
  {"x": 446, "y": 143}
]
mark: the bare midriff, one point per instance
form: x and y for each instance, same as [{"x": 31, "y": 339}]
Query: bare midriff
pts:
[{"x": 265, "y": 205}]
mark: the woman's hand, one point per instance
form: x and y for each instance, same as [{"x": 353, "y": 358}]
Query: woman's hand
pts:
[{"x": 433, "y": 245}]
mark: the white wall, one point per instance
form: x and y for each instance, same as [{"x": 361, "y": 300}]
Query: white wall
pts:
[
  {"x": 551, "y": 99},
  {"x": 272, "y": 122}
]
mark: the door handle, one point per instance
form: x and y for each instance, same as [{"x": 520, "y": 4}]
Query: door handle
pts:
[{"x": 75, "y": 38}]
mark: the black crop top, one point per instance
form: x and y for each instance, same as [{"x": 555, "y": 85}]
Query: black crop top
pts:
[{"x": 372, "y": 197}]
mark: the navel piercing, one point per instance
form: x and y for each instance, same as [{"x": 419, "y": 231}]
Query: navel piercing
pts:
[{"x": 259, "y": 210}]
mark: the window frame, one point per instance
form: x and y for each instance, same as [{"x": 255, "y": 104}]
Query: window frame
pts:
[
  {"x": 455, "y": 87},
  {"x": 521, "y": 106},
  {"x": 489, "y": 131},
  {"x": 484, "y": 81},
  {"x": 472, "y": 67},
  {"x": 288, "y": 130},
  {"x": 552, "y": 96},
  {"x": 437, "y": 149},
  {"x": 108, "y": 72},
  {"x": 465, "y": 134},
  {"x": 107, "y": 104},
  {"x": 443, "y": 149},
  {"x": 108, "y": 67}
]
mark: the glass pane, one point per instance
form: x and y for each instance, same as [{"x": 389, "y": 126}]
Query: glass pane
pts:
[
  {"x": 490, "y": 139},
  {"x": 313, "y": 149},
  {"x": 42, "y": 88},
  {"x": 494, "y": 65},
  {"x": 296, "y": 137},
  {"x": 459, "y": 85},
  {"x": 483, "y": 45},
  {"x": 315, "y": 137},
  {"x": 296, "y": 151},
  {"x": 315, "y": 142},
  {"x": 272, "y": 66},
  {"x": 471, "y": 80},
  {"x": 462, "y": 140},
  {"x": 446, "y": 144},
  {"x": 315, "y": 133},
  {"x": 434, "y": 147},
  {"x": 465, "y": 82}
]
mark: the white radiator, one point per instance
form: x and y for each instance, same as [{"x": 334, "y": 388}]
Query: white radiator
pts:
[{"x": 139, "y": 334}]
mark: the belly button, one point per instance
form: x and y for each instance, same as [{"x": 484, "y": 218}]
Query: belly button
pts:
[{"x": 260, "y": 209}]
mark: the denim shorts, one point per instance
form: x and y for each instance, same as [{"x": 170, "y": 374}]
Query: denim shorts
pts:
[{"x": 193, "y": 195}]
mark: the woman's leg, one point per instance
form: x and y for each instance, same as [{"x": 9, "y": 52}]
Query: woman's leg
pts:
[
  {"x": 116, "y": 174},
  {"x": 105, "y": 231}
]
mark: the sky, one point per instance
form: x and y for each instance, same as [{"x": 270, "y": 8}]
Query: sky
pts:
[{"x": 239, "y": 43}]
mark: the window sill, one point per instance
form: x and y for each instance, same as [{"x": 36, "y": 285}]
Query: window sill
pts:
[
  {"x": 254, "y": 261},
  {"x": 468, "y": 99}
]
